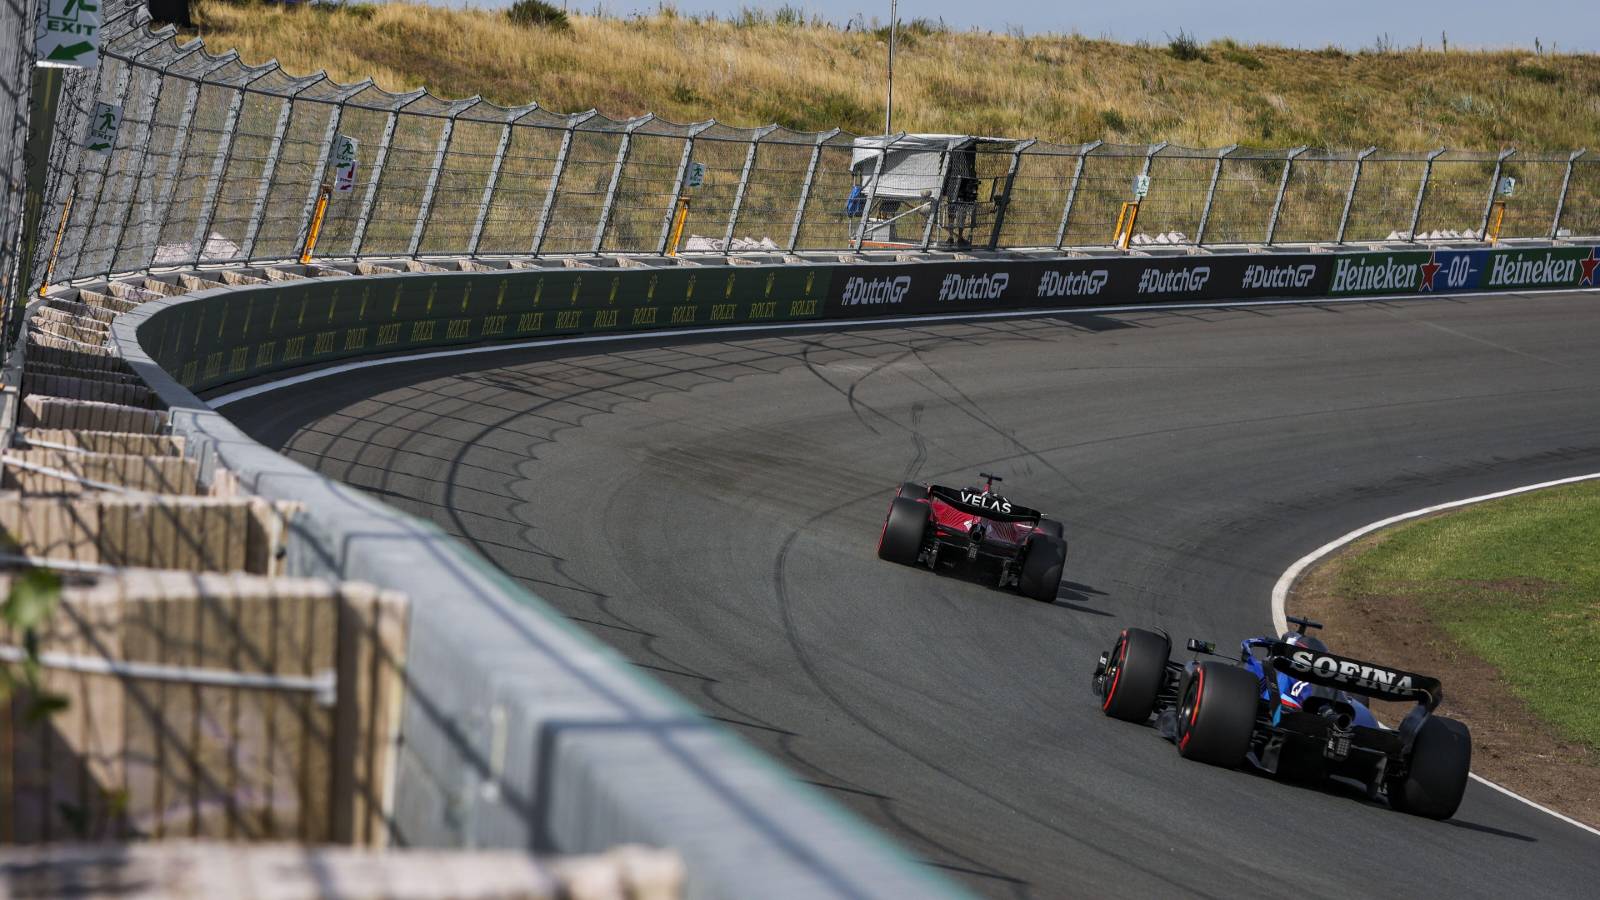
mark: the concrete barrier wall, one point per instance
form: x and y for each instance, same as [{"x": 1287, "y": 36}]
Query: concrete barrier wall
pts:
[{"x": 522, "y": 731}]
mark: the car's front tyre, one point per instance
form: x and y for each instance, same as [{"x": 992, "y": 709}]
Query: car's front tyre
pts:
[{"x": 1135, "y": 668}]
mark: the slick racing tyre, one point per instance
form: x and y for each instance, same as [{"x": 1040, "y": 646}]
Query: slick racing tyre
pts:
[
  {"x": 901, "y": 540},
  {"x": 1217, "y": 714},
  {"x": 1050, "y": 527},
  {"x": 913, "y": 491},
  {"x": 1435, "y": 779},
  {"x": 1041, "y": 569},
  {"x": 1135, "y": 668}
]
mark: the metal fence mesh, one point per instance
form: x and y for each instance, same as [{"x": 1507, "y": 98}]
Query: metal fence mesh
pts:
[{"x": 220, "y": 162}]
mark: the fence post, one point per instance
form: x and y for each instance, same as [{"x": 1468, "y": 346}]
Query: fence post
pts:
[
  {"x": 370, "y": 199},
  {"x": 1561, "y": 201},
  {"x": 938, "y": 193},
  {"x": 573, "y": 122},
  {"x": 120, "y": 91},
  {"x": 144, "y": 155},
  {"x": 1494, "y": 188},
  {"x": 805, "y": 189},
  {"x": 489, "y": 186},
  {"x": 1072, "y": 192},
  {"x": 744, "y": 180},
  {"x": 1350, "y": 198},
  {"x": 321, "y": 166},
  {"x": 1422, "y": 192},
  {"x": 185, "y": 128},
  {"x": 678, "y": 181},
  {"x": 1005, "y": 200},
  {"x": 219, "y": 167},
  {"x": 431, "y": 190},
  {"x": 1211, "y": 193},
  {"x": 269, "y": 169},
  {"x": 888, "y": 141},
  {"x": 1283, "y": 188},
  {"x": 616, "y": 179}
]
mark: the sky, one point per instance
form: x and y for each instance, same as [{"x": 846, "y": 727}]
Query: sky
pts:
[{"x": 1568, "y": 25}]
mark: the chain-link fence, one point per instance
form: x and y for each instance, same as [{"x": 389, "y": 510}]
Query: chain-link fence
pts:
[
  {"x": 16, "y": 67},
  {"x": 220, "y": 162}
]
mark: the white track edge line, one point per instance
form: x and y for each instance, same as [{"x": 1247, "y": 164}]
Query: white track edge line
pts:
[
  {"x": 1280, "y": 592},
  {"x": 257, "y": 390}
]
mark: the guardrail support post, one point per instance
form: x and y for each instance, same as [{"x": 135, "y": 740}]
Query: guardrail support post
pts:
[
  {"x": 933, "y": 213},
  {"x": 872, "y": 195},
  {"x": 308, "y": 210},
  {"x": 1494, "y": 188},
  {"x": 120, "y": 91},
  {"x": 543, "y": 227},
  {"x": 210, "y": 200},
  {"x": 1005, "y": 199},
  {"x": 370, "y": 199},
  {"x": 1350, "y": 197},
  {"x": 489, "y": 186},
  {"x": 677, "y": 185},
  {"x": 144, "y": 157},
  {"x": 258, "y": 209},
  {"x": 1072, "y": 192},
  {"x": 431, "y": 189},
  {"x": 744, "y": 181},
  {"x": 805, "y": 189},
  {"x": 1283, "y": 188},
  {"x": 1211, "y": 193},
  {"x": 1422, "y": 192},
  {"x": 1561, "y": 201},
  {"x": 623, "y": 147}
]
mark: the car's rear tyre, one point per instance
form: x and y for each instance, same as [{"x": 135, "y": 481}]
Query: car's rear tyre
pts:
[
  {"x": 901, "y": 540},
  {"x": 913, "y": 491},
  {"x": 1050, "y": 527},
  {"x": 1436, "y": 778},
  {"x": 1041, "y": 568},
  {"x": 1135, "y": 668},
  {"x": 1217, "y": 714}
]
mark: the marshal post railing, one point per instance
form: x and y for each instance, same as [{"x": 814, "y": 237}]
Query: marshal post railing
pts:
[{"x": 217, "y": 161}]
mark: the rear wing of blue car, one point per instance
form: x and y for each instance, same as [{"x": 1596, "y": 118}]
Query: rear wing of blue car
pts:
[{"x": 1354, "y": 675}]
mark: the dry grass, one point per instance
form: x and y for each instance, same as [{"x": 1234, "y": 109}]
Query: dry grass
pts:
[{"x": 1061, "y": 88}]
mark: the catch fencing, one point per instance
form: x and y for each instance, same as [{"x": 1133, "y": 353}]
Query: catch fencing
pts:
[
  {"x": 220, "y": 162},
  {"x": 16, "y": 67}
]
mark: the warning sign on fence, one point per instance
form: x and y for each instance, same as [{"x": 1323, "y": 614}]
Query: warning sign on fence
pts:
[
  {"x": 103, "y": 127},
  {"x": 344, "y": 164},
  {"x": 68, "y": 35}
]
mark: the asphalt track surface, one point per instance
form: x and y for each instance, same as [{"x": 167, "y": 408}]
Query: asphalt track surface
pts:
[{"x": 710, "y": 507}]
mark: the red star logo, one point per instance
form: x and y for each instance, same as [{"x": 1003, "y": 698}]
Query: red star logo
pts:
[
  {"x": 1588, "y": 267},
  {"x": 1429, "y": 269}
]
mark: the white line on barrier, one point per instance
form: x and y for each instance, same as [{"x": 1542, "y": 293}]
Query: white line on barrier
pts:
[
  {"x": 1280, "y": 591},
  {"x": 316, "y": 374}
]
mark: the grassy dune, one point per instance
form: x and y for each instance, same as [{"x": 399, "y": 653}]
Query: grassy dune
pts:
[{"x": 1061, "y": 88}]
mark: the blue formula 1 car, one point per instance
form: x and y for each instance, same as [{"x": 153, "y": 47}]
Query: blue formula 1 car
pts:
[{"x": 1288, "y": 706}]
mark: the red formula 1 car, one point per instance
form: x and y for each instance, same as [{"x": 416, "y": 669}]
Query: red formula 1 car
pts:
[{"x": 975, "y": 528}]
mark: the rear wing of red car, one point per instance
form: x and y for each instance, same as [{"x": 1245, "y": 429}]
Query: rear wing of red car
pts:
[
  {"x": 1354, "y": 675},
  {"x": 990, "y": 506}
]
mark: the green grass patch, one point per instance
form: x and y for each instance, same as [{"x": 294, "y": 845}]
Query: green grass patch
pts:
[{"x": 1514, "y": 581}]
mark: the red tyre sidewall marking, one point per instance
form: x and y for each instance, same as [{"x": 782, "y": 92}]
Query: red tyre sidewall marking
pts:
[
  {"x": 1121, "y": 658},
  {"x": 1199, "y": 694}
]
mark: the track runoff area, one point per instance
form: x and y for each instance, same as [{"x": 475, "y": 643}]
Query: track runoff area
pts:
[{"x": 1192, "y": 454}]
